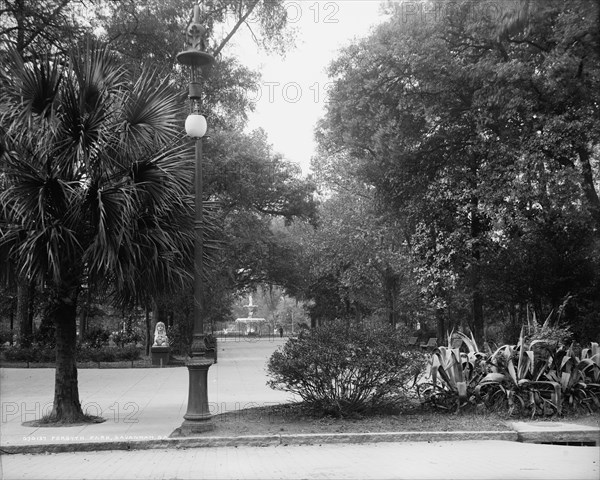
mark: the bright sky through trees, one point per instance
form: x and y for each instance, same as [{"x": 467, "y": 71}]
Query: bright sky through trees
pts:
[{"x": 293, "y": 89}]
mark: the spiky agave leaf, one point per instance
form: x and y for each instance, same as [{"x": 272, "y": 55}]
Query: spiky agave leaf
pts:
[{"x": 470, "y": 342}]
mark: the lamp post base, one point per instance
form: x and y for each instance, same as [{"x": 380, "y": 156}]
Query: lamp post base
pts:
[
  {"x": 192, "y": 428},
  {"x": 197, "y": 418}
]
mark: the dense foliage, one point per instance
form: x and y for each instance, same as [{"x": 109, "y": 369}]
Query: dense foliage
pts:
[
  {"x": 535, "y": 378},
  {"x": 482, "y": 145},
  {"x": 342, "y": 369},
  {"x": 355, "y": 263}
]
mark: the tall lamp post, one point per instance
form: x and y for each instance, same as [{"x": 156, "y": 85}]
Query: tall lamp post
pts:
[{"x": 197, "y": 419}]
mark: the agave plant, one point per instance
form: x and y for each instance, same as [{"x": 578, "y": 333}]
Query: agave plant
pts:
[
  {"x": 518, "y": 379},
  {"x": 577, "y": 377},
  {"x": 517, "y": 382},
  {"x": 590, "y": 367},
  {"x": 97, "y": 187},
  {"x": 590, "y": 360},
  {"x": 454, "y": 374}
]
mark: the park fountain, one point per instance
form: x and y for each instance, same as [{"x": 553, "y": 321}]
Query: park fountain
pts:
[{"x": 250, "y": 325}]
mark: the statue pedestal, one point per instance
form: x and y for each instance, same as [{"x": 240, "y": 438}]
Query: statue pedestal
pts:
[{"x": 160, "y": 355}]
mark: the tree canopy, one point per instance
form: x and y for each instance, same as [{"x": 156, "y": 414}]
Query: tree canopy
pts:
[{"x": 483, "y": 141}]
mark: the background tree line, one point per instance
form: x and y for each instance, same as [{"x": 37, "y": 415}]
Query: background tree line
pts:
[{"x": 459, "y": 163}]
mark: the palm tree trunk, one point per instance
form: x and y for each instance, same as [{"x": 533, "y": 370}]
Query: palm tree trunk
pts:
[
  {"x": 85, "y": 315},
  {"x": 390, "y": 282},
  {"x": 149, "y": 339},
  {"x": 24, "y": 317},
  {"x": 66, "y": 407},
  {"x": 440, "y": 326}
]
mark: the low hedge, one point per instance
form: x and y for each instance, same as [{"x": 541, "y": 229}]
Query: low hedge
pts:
[
  {"x": 31, "y": 354},
  {"x": 45, "y": 354}
]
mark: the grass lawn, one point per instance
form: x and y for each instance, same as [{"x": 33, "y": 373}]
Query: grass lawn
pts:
[{"x": 296, "y": 419}]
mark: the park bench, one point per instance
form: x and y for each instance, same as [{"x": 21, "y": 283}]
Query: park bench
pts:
[{"x": 430, "y": 345}]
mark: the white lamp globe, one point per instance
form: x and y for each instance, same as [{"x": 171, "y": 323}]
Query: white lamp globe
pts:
[{"x": 195, "y": 125}]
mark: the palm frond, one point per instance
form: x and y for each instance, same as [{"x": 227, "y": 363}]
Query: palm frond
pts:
[
  {"x": 150, "y": 112},
  {"x": 98, "y": 73},
  {"x": 30, "y": 90}
]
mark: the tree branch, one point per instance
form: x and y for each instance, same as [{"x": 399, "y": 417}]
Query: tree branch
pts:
[
  {"x": 44, "y": 22},
  {"x": 528, "y": 42},
  {"x": 239, "y": 23}
]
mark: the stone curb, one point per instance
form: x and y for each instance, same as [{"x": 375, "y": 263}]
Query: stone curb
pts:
[
  {"x": 560, "y": 436},
  {"x": 262, "y": 441}
]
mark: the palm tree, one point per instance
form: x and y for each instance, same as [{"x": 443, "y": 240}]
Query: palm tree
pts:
[{"x": 96, "y": 188}]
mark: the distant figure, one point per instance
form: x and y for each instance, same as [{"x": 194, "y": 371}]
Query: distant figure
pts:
[
  {"x": 160, "y": 336},
  {"x": 281, "y": 332}
]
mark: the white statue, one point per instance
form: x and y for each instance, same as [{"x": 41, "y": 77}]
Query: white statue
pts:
[{"x": 160, "y": 335}]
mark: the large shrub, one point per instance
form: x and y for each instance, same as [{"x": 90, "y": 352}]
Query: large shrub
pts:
[{"x": 343, "y": 369}]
